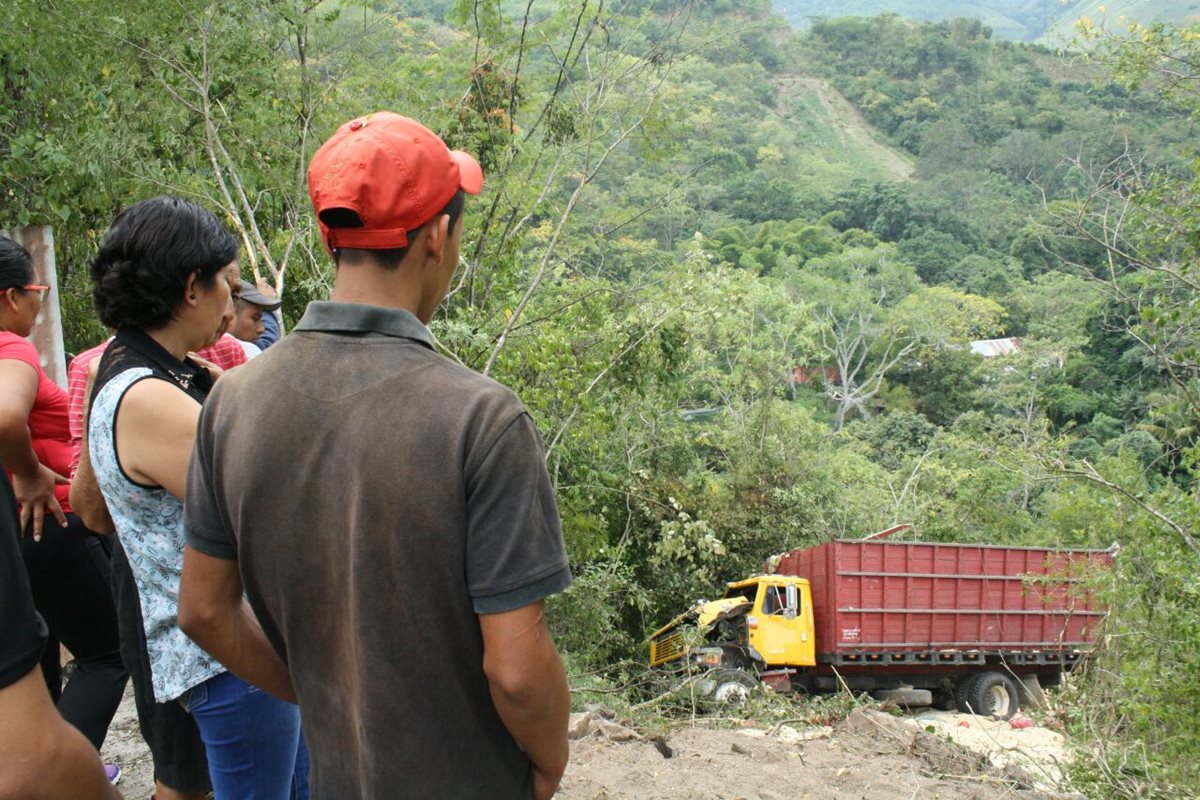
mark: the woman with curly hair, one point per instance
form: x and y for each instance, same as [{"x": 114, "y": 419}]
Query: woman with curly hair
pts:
[{"x": 163, "y": 279}]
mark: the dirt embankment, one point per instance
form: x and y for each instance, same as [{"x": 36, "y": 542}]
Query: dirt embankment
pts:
[{"x": 868, "y": 755}]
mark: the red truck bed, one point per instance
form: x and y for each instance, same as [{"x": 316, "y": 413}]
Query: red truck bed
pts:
[{"x": 908, "y": 602}]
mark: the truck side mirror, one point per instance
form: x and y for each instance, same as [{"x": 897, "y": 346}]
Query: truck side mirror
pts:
[{"x": 792, "y": 604}]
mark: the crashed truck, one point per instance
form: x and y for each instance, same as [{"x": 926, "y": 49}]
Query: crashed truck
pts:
[{"x": 978, "y": 627}]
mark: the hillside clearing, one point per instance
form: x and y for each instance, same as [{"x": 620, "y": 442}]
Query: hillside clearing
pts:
[{"x": 829, "y": 125}]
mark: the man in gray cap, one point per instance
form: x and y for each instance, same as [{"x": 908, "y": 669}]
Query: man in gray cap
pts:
[{"x": 253, "y": 306}]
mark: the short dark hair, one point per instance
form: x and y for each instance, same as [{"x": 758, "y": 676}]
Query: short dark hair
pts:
[
  {"x": 391, "y": 258},
  {"x": 141, "y": 271},
  {"x": 16, "y": 266}
]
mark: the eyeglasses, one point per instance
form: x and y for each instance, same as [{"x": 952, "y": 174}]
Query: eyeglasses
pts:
[{"x": 30, "y": 287}]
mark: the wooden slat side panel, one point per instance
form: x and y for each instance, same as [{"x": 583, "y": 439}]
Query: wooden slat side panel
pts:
[{"x": 915, "y": 594}]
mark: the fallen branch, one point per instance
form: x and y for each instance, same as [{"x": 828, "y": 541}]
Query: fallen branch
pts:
[{"x": 988, "y": 779}]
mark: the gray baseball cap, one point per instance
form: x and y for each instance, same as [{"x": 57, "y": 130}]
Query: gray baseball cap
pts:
[{"x": 251, "y": 294}]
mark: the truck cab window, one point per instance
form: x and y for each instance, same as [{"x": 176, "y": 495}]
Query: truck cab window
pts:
[{"x": 773, "y": 601}]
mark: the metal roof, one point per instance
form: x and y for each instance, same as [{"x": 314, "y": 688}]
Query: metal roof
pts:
[{"x": 991, "y": 348}]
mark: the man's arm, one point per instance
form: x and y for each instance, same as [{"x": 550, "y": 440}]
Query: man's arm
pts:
[
  {"x": 44, "y": 756},
  {"x": 214, "y": 613},
  {"x": 79, "y": 373},
  {"x": 529, "y": 687},
  {"x": 213, "y": 610},
  {"x": 86, "y": 499}
]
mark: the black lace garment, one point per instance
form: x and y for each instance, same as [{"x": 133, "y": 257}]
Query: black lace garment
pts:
[{"x": 133, "y": 348}]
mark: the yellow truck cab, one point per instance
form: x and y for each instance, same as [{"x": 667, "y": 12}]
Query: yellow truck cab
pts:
[{"x": 762, "y": 623}]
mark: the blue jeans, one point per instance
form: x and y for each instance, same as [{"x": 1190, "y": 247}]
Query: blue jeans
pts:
[{"x": 252, "y": 739}]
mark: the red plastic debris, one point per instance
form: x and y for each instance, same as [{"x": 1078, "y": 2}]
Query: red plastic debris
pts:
[
  {"x": 1021, "y": 721},
  {"x": 963, "y": 724}
]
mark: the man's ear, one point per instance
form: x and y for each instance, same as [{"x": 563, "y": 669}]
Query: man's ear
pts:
[
  {"x": 437, "y": 234},
  {"x": 9, "y": 297}
]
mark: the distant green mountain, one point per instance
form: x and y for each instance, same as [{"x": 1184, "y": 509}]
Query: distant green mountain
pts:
[
  {"x": 1050, "y": 21},
  {"x": 1117, "y": 13}
]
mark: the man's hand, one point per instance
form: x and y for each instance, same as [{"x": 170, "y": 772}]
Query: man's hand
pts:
[
  {"x": 214, "y": 613},
  {"x": 213, "y": 370},
  {"x": 35, "y": 493},
  {"x": 544, "y": 786}
]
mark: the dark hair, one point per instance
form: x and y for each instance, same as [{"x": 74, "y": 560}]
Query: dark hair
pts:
[
  {"x": 16, "y": 266},
  {"x": 391, "y": 258},
  {"x": 141, "y": 271}
]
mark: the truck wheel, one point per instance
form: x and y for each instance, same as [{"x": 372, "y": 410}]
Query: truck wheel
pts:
[
  {"x": 988, "y": 694},
  {"x": 960, "y": 692},
  {"x": 733, "y": 686}
]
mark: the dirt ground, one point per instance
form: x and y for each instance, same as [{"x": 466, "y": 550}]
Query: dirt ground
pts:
[
  {"x": 926, "y": 755},
  {"x": 125, "y": 748},
  {"x": 869, "y": 755}
]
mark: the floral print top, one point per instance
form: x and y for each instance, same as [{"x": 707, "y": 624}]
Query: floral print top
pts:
[{"x": 149, "y": 520}]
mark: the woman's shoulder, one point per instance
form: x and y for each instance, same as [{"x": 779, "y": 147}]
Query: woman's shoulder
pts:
[
  {"x": 143, "y": 385},
  {"x": 110, "y": 393},
  {"x": 155, "y": 391},
  {"x": 19, "y": 348}
]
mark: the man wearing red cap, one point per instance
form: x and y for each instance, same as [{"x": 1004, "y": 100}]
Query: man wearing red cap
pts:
[{"x": 397, "y": 552}]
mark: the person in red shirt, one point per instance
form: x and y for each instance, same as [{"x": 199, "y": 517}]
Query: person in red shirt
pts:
[{"x": 68, "y": 565}]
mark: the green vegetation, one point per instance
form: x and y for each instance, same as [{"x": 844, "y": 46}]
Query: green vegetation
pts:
[{"x": 682, "y": 207}]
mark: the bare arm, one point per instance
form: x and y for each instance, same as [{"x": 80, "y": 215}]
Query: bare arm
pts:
[
  {"x": 86, "y": 499},
  {"x": 44, "y": 756},
  {"x": 529, "y": 687},
  {"x": 214, "y": 613},
  {"x": 155, "y": 431},
  {"x": 33, "y": 482}
]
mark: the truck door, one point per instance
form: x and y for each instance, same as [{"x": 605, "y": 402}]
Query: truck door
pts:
[{"x": 781, "y": 631}]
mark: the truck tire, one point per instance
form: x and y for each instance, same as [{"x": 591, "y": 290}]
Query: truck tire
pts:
[
  {"x": 960, "y": 692},
  {"x": 988, "y": 694},
  {"x": 733, "y": 686}
]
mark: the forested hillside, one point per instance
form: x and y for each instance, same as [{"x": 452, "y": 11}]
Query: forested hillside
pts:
[
  {"x": 1050, "y": 21},
  {"x": 735, "y": 274}
]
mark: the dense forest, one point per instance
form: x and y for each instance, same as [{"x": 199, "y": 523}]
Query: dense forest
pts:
[{"x": 735, "y": 274}]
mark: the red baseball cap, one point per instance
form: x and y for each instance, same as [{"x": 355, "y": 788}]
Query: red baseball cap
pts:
[{"x": 380, "y": 176}]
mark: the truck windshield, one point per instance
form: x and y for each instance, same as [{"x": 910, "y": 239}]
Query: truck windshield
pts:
[{"x": 742, "y": 592}]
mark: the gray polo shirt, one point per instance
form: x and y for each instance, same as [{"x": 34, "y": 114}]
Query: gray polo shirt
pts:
[{"x": 377, "y": 497}]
